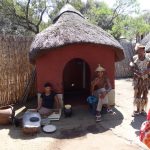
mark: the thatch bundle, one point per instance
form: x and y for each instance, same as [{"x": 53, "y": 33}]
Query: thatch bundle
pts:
[
  {"x": 15, "y": 69},
  {"x": 71, "y": 27}
]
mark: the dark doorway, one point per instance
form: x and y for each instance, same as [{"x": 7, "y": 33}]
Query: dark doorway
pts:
[{"x": 76, "y": 82}]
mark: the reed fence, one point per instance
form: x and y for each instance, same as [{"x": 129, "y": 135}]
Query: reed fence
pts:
[{"x": 15, "y": 68}]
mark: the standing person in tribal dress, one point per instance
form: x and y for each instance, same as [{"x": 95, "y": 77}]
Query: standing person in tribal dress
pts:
[
  {"x": 141, "y": 70},
  {"x": 100, "y": 87}
]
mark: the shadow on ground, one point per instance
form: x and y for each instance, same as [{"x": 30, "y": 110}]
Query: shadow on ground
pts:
[
  {"x": 80, "y": 124},
  {"x": 137, "y": 122}
]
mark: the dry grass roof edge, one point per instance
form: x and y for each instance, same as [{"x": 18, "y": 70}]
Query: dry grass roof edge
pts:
[{"x": 71, "y": 27}]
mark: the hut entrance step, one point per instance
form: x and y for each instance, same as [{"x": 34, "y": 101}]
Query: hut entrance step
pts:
[{"x": 76, "y": 98}]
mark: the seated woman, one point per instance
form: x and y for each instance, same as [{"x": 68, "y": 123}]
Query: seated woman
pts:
[
  {"x": 100, "y": 87},
  {"x": 47, "y": 100}
]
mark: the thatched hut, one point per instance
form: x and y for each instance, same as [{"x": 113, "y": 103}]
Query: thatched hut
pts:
[
  {"x": 146, "y": 41},
  {"x": 67, "y": 52},
  {"x": 123, "y": 69}
]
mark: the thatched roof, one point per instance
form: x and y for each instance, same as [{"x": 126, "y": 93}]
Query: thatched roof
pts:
[
  {"x": 146, "y": 41},
  {"x": 128, "y": 48},
  {"x": 123, "y": 69},
  {"x": 147, "y": 48},
  {"x": 71, "y": 27},
  {"x": 67, "y": 8}
]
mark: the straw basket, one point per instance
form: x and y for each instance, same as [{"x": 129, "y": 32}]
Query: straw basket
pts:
[{"x": 6, "y": 115}]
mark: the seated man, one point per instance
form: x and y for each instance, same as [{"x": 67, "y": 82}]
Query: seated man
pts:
[
  {"x": 100, "y": 87},
  {"x": 47, "y": 100}
]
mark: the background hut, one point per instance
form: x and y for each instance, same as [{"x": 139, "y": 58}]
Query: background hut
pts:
[
  {"x": 122, "y": 68},
  {"x": 146, "y": 41},
  {"x": 67, "y": 53}
]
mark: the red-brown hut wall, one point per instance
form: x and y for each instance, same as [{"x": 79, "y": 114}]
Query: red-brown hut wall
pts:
[{"x": 50, "y": 65}]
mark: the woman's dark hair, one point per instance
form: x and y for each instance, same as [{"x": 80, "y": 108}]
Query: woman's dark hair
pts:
[{"x": 47, "y": 84}]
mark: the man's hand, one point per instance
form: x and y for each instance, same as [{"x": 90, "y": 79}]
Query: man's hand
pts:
[
  {"x": 138, "y": 73},
  {"x": 102, "y": 95}
]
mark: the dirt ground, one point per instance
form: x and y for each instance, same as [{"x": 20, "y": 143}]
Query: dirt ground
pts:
[{"x": 80, "y": 132}]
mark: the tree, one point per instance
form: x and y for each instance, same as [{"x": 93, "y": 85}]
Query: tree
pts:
[
  {"x": 122, "y": 20},
  {"x": 146, "y": 16},
  {"x": 125, "y": 7},
  {"x": 99, "y": 13},
  {"x": 6, "y": 27},
  {"x": 113, "y": 20},
  {"x": 128, "y": 22},
  {"x": 27, "y": 14}
]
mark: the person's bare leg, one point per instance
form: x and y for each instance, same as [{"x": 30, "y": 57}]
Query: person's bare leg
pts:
[
  {"x": 144, "y": 102},
  {"x": 137, "y": 105},
  {"x": 137, "y": 101},
  {"x": 98, "y": 110}
]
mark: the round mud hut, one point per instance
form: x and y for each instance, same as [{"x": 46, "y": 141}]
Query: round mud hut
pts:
[{"x": 68, "y": 51}]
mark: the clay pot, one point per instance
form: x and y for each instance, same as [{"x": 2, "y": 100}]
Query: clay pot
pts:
[
  {"x": 68, "y": 111},
  {"x": 6, "y": 115}
]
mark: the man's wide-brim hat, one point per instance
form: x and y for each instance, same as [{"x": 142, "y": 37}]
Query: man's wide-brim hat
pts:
[
  {"x": 99, "y": 68},
  {"x": 139, "y": 46}
]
